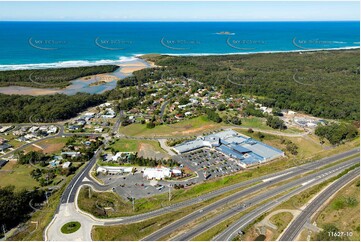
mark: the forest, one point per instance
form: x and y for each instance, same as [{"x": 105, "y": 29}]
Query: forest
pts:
[
  {"x": 47, "y": 108},
  {"x": 16, "y": 205},
  {"x": 54, "y": 77}
]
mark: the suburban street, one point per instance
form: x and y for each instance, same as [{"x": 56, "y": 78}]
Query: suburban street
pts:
[
  {"x": 69, "y": 208},
  {"x": 70, "y": 192},
  {"x": 291, "y": 233},
  {"x": 279, "y": 176},
  {"x": 60, "y": 133}
]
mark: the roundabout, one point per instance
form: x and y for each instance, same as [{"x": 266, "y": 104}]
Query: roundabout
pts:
[{"x": 70, "y": 227}]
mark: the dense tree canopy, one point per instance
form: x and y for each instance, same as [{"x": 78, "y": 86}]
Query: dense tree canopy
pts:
[
  {"x": 323, "y": 84},
  {"x": 47, "y": 108},
  {"x": 54, "y": 77},
  {"x": 15, "y": 206},
  {"x": 335, "y": 133}
]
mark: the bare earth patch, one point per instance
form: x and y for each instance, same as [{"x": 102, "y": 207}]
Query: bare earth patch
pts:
[{"x": 147, "y": 151}]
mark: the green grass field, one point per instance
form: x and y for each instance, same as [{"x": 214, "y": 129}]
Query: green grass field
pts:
[
  {"x": 260, "y": 123},
  {"x": 44, "y": 216},
  {"x": 97, "y": 201},
  {"x": 129, "y": 145},
  {"x": 189, "y": 127},
  {"x": 19, "y": 176},
  {"x": 281, "y": 220}
]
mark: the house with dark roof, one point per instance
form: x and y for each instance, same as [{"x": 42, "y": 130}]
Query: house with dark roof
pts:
[{"x": 4, "y": 147}]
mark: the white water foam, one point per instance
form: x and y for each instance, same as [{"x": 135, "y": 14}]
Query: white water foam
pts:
[{"x": 65, "y": 64}]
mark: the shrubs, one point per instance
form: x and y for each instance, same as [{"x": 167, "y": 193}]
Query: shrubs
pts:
[
  {"x": 275, "y": 123},
  {"x": 336, "y": 133}
]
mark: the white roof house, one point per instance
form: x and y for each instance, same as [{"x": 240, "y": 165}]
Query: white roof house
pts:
[
  {"x": 156, "y": 173},
  {"x": 33, "y": 129},
  {"x": 66, "y": 164},
  {"x": 52, "y": 129},
  {"x": 114, "y": 169},
  {"x": 117, "y": 156},
  {"x": 89, "y": 114},
  {"x": 4, "y": 129},
  {"x": 176, "y": 172}
]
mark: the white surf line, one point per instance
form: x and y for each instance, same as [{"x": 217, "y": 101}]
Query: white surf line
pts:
[{"x": 275, "y": 177}]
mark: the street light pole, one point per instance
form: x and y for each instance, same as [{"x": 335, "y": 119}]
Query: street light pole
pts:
[
  {"x": 133, "y": 200},
  {"x": 169, "y": 194}
]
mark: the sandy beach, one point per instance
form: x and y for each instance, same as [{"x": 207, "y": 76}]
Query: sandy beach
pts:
[
  {"x": 11, "y": 90},
  {"x": 128, "y": 68}
]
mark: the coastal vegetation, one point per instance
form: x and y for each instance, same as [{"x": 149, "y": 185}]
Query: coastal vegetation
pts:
[
  {"x": 54, "y": 77},
  {"x": 16, "y": 206},
  {"x": 323, "y": 84},
  {"x": 47, "y": 108},
  {"x": 336, "y": 133}
]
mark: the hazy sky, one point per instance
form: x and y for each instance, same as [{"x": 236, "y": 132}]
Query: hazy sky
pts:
[{"x": 180, "y": 11}]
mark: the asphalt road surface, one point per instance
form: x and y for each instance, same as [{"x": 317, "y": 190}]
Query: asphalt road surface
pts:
[
  {"x": 69, "y": 194},
  {"x": 296, "y": 226},
  {"x": 238, "y": 195},
  {"x": 232, "y": 230},
  {"x": 280, "y": 175}
]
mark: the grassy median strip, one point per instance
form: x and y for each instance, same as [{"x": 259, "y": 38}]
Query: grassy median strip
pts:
[
  {"x": 149, "y": 225},
  {"x": 110, "y": 205},
  {"x": 295, "y": 203},
  {"x": 215, "y": 230},
  {"x": 231, "y": 205},
  {"x": 137, "y": 231},
  {"x": 342, "y": 212},
  {"x": 298, "y": 200},
  {"x": 280, "y": 220}
]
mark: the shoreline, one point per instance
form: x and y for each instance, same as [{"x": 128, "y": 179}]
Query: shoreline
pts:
[
  {"x": 266, "y": 52},
  {"x": 99, "y": 82},
  {"x": 126, "y": 60}
]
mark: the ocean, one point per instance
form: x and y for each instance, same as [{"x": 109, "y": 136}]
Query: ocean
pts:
[{"x": 29, "y": 45}]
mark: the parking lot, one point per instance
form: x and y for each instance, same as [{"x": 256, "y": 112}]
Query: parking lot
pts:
[
  {"x": 206, "y": 163},
  {"x": 134, "y": 185},
  {"x": 210, "y": 163}
]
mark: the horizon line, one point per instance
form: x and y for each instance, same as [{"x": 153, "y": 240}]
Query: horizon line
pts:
[{"x": 184, "y": 21}]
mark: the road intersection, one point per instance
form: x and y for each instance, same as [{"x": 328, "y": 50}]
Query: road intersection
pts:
[{"x": 68, "y": 201}]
